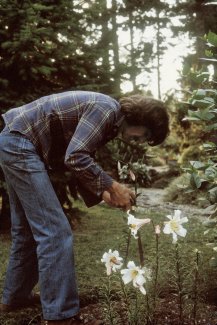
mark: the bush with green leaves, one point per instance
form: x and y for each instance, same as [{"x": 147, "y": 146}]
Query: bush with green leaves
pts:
[
  {"x": 203, "y": 109},
  {"x": 131, "y": 157}
]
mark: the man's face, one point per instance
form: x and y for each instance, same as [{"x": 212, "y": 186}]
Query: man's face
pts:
[{"x": 139, "y": 133}]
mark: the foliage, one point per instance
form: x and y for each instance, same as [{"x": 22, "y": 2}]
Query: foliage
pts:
[
  {"x": 197, "y": 18},
  {"x": 130, "y": 155},
  {"x": 43, "y": 50},
  {"x": 203, "y": 108},
  {"x": 176, "y": 192}
]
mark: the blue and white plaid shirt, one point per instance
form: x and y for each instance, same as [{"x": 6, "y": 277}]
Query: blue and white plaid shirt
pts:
[{"x": 69, "y": 127}]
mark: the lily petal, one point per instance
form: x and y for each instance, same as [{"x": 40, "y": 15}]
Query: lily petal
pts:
[
  {"x": 183, "y": 220},
  {"x": 131, "y": 265},
  {"x": 182, "y": 231},
  {"x": 167, "y": 229},
  {"x": 142, "y": 290},
  {"x": 175, "y": 237},
  {"x": 140, "y": 280}
]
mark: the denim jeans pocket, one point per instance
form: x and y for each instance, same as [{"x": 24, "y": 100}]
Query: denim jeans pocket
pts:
[{"x": 13, "y": 148}]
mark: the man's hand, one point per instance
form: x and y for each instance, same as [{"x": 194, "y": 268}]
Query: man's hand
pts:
[
  {"x": 119, "y": 196},
  {"x": 107, "y": 198}
]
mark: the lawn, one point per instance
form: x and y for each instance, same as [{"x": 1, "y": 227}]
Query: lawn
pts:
[{"x": 102, "y": 228}]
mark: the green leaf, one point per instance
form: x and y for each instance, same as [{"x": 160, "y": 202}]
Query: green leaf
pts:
[
  {"x": 213, "y": 195},
  {"x": 203, "y": 115},
  {"x": 199, "y": 77},
  {"x": 209, "y": 53},
  {"x": 212, "y": 38},
  {"x": 197, "y": 164},
  {"x": 211, "y": 127},
  {"x": 199, "y": 93},
  {"x": 203, "y": 103},
  {"x": 195, "y": 181},
  {"x": 211, "y": 172},
  {"x": 212, "y": 91},
  {"x": 210, "y": 145}
]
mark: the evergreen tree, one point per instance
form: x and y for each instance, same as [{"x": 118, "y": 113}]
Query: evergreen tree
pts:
[
  {"x": 197, "y": 18},
  {"x": 44, "y": 49}
]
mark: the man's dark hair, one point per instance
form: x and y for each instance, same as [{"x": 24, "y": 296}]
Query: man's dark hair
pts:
[{"x": 147, "y": 111}]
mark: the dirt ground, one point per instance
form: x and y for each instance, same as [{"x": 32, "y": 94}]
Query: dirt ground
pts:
[{"x": 153, "y": 199}]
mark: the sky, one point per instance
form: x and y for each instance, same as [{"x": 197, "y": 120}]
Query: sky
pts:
[{"x": 171, "y": 62}]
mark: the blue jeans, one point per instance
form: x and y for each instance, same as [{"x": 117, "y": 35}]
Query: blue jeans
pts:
[{"x": 42, "y": 241}]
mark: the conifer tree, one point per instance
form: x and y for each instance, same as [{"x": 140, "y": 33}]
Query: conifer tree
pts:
[{"x": 43, "y": 50}]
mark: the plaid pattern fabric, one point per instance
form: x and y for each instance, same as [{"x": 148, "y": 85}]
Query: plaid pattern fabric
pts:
[{"x": 68, "y": 127}]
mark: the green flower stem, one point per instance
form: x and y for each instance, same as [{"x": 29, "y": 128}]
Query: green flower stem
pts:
[
  {"x": 126, "y": 298},
  {"x": 108, "y": 303},
  {"x": 155, "y": 279},
  {"x": 156, "y": 265},
  {"x": 136, "y": 311},
  {"x": 128, "y": 246},
  {"x": 195, "y": 290},
  {"x": 148, "y": 320},
  {"x": 156, "y": 268},
  {"x": 179, "y": 283},
  {"x": 141, "y": 252}
]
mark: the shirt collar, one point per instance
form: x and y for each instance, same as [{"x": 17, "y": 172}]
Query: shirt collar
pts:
[{"x": 114, "y": 132}]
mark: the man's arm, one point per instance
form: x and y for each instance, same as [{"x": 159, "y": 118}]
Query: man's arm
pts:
[{"x": 90, "y": 133}]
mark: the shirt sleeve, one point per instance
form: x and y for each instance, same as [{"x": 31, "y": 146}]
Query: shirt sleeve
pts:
[{"x": 92, "y": 129}]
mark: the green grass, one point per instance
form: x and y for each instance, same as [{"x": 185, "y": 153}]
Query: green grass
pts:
[
  {"x": 102, "y": 228},
  {"x": 4, "y": 252}
]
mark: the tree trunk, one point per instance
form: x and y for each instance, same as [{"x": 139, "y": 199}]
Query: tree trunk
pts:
[
  {"x": 132, "y": 52},
  {"x": 158, "y": 57},
  {"x": 117, "y": 78}
]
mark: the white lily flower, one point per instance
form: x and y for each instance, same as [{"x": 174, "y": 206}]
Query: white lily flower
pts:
[
  {"x": 137, "y": 275},
  {"x": 174, "y": 226},
  {"x": 112, "y": 261},
  {"x": 135, "y": 223},
  {"x": 122, "y": 171},
  {"x": 132, "y": 175}
]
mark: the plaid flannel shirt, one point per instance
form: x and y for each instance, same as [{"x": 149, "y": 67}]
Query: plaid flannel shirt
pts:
[{"x": 68, "y": 128}]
